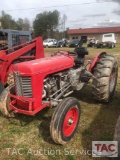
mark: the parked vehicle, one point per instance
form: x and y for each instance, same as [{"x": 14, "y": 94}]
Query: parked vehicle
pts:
[
  {"x": 62, "y": 43},
  {"x": 74, "y": 43},
  {"x": 108, "y": 40},
  {"x": 57, "y": 77},
  {"x": 10, "y": 38},
  {"x": 50, "y": 43},
  {"x": 91, "y": 43}
]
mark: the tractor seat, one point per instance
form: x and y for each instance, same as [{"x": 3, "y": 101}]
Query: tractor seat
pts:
[{"x": 81, "y": 52}]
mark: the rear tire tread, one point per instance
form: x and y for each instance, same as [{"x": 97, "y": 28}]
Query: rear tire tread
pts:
[{"x": 102, "y": 72}]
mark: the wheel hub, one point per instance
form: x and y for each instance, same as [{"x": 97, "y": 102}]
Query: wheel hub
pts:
[{"x": 70, "y": 121}]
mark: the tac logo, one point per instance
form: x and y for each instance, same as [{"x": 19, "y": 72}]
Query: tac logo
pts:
[{"x": 104, "y": 149}]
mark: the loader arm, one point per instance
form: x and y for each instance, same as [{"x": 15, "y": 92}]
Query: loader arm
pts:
[{"x": 8, "y": 56}]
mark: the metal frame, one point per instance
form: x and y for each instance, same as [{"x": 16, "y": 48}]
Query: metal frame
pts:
[{"x": 12, "y": 33}]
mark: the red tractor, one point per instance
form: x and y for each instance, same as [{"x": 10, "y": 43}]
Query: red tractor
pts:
[{"x": 47, "y": 82}]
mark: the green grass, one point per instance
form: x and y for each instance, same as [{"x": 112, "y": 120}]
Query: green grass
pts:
[{"x": 97, "y": 122}]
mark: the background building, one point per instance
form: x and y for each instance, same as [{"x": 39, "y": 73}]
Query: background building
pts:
[{"x": 95, "y": 33}]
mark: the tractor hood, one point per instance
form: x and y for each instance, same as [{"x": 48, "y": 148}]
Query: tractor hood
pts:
[{"x": 44, "y": 65}]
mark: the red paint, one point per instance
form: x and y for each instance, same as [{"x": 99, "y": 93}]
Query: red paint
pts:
[
  {"x": 38, "y": 69},
  {"x": 7, "y": 59},
  {"x": 45, "y": 66},
  {"x": 94, "y": 61},
  {"x": 94, "y": 30},
  {"x": 71, "y": 116},
  {"x": 27, "y": 107}
]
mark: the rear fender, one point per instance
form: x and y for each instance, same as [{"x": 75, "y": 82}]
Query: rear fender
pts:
[{"x": 94, "y": 61}]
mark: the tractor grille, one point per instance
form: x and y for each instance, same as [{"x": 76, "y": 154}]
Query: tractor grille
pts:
[{"x": 23, "y": 86}]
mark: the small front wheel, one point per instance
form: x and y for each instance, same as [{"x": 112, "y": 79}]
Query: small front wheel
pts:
[{"x": 65, "y": 120}]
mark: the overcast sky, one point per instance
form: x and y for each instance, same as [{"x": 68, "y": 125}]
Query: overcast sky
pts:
[{"x": 80, "y": 13}]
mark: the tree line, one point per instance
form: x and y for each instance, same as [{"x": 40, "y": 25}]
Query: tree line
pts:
[
  {"x": 7, "y": 22},
  {"x": 47, "y": 24}
]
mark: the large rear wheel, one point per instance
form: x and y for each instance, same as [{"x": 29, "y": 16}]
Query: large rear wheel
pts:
[
  {"x": 65, "y": 120},
  {"x": 106, "y": 71}
]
